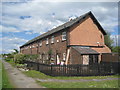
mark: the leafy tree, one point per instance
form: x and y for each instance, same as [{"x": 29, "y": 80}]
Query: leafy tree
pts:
[
  {"x": 16, "y": 51},
  {"x": 116, "y": 49},
  {"x": 108, "y": 41}
]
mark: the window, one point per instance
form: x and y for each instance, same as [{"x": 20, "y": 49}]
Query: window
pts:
[
  {"x": 40, "y": 43},
  {"x": 63, "y": 36},
  {"x": 47, "y": 56},
  {"x": 40, "y": 56},
  {"x": 101, "y": 36},
  {"x": 64, "y": 56},
  {"x": 47, "y": 41},
  {"x": 52, "y": 39}
]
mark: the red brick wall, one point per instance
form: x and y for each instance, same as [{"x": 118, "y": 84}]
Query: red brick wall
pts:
[
  {"x": 75, "y": 57},
  {"x": 88, "y": 34},
  {"x": 56, "y": 47}
]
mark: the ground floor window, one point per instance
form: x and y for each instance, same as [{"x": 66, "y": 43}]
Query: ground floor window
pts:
[
  {"x": 90, "y": 59},
  {"x": 93, "y": 59}
]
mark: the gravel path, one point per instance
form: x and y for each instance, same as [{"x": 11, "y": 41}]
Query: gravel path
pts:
[{"x": 18, "y": 79}]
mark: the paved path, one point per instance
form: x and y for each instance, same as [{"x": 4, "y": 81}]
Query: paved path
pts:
[{"x": 18, "y": 79}]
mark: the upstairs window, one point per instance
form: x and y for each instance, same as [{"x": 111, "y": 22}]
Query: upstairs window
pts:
[
  {"x": 52, "y": 39},
  {"x": 47, "y": 41},
  {"x": 101, "y": 36},
  {"x": 63, "y": 36},
  {"x": 40, "y": 43}
]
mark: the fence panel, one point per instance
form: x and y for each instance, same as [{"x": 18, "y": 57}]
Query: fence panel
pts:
[{"x": 103, "y": 68}]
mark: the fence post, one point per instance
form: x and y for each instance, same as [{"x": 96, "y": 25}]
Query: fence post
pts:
[
  {"x": 77, "y": 69},
  {"x": 37, "y": 66},
  {"x": 99, "y": 69},
  {"x": 51, "y": 69}
]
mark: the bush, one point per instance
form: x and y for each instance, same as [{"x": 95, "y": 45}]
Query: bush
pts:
[
  {"x": 19, "y": 58},
  {"x": 31, "y": 57},
  {"x": 21, "y": 65}
]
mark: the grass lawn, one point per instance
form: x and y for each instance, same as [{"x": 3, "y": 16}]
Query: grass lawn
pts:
[
  {"x": 5, "y": 80},
  {"x": 90, "y": 84},
  {"x": 37, "y": 74}
]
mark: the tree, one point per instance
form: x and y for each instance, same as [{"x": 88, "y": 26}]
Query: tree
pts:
[
  {"x": 116, "y": 49},
  {"x": 16, "y": 51},
  {"x": 108, "y": 41}
]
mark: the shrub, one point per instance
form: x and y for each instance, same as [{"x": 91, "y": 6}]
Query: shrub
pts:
[
  {"x": 31, "y": 57},
  {"x": 19, "y": 58},
  {"x": 21, "y": 65}
]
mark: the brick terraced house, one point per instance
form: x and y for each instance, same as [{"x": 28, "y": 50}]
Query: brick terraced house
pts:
[{"x": 78, "y": 41}]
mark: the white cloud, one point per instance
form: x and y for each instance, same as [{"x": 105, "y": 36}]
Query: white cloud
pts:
[
  {"x": 46, "y": 15},
  {"x": 56, "y": 1},
  {"x": 42, "y": 18},
  {"x": 8, "y": 29},
  {"x": 11, "y": 43}
]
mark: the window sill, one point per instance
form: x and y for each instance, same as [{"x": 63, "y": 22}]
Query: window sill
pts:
[
  {"x": 52, "y": 42},
  {"x": 63, "y": 40}
]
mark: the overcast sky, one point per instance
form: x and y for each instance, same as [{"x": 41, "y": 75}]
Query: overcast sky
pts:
[{"x": 22, "y": 21}]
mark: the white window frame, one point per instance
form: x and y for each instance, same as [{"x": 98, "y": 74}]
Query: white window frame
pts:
[
  {"x": 64, "y": 36},
  {"x": 40, "y": 43},
  {"x": 47, "y": 42},
  {"x": 52, "y": 39},
  {"x": 64, "y": 56}
]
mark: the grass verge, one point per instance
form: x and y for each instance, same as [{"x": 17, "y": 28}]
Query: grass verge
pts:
[
  {"x": 90, "y": 84},
  {"x": 5, "y": 80},
  {"x": 0, "y": 74},
  {"x": 37, "y": 74}
]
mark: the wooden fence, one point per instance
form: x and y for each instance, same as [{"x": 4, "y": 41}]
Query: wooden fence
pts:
[
  {"x": 110, "y": 57},
  {"x": 76, "y": 70}
]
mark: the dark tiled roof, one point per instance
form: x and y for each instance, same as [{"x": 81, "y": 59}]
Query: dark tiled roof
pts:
[
  {"x": 85, "y": 50},
  {"x": 66, "y": 25}
]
